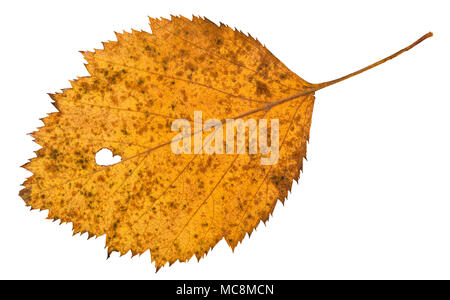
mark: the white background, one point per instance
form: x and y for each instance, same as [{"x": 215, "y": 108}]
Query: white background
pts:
[{"x": 373, "y": 201}]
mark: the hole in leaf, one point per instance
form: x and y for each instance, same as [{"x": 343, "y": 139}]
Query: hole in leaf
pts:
[{"x": 105, "y": 157}]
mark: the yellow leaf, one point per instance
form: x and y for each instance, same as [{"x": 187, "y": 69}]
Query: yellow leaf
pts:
[{"x": 176, "y": 205}]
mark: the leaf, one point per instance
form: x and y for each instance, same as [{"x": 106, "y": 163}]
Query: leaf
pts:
[{"x": 175, "y": 205}]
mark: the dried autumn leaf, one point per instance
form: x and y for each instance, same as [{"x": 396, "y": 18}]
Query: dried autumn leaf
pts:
[{"x": 175, "y": 205}]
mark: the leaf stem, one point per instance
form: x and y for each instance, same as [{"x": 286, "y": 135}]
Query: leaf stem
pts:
[
  {"x": 319, "y": 86},
  {"x": 328, "y": 83}
]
